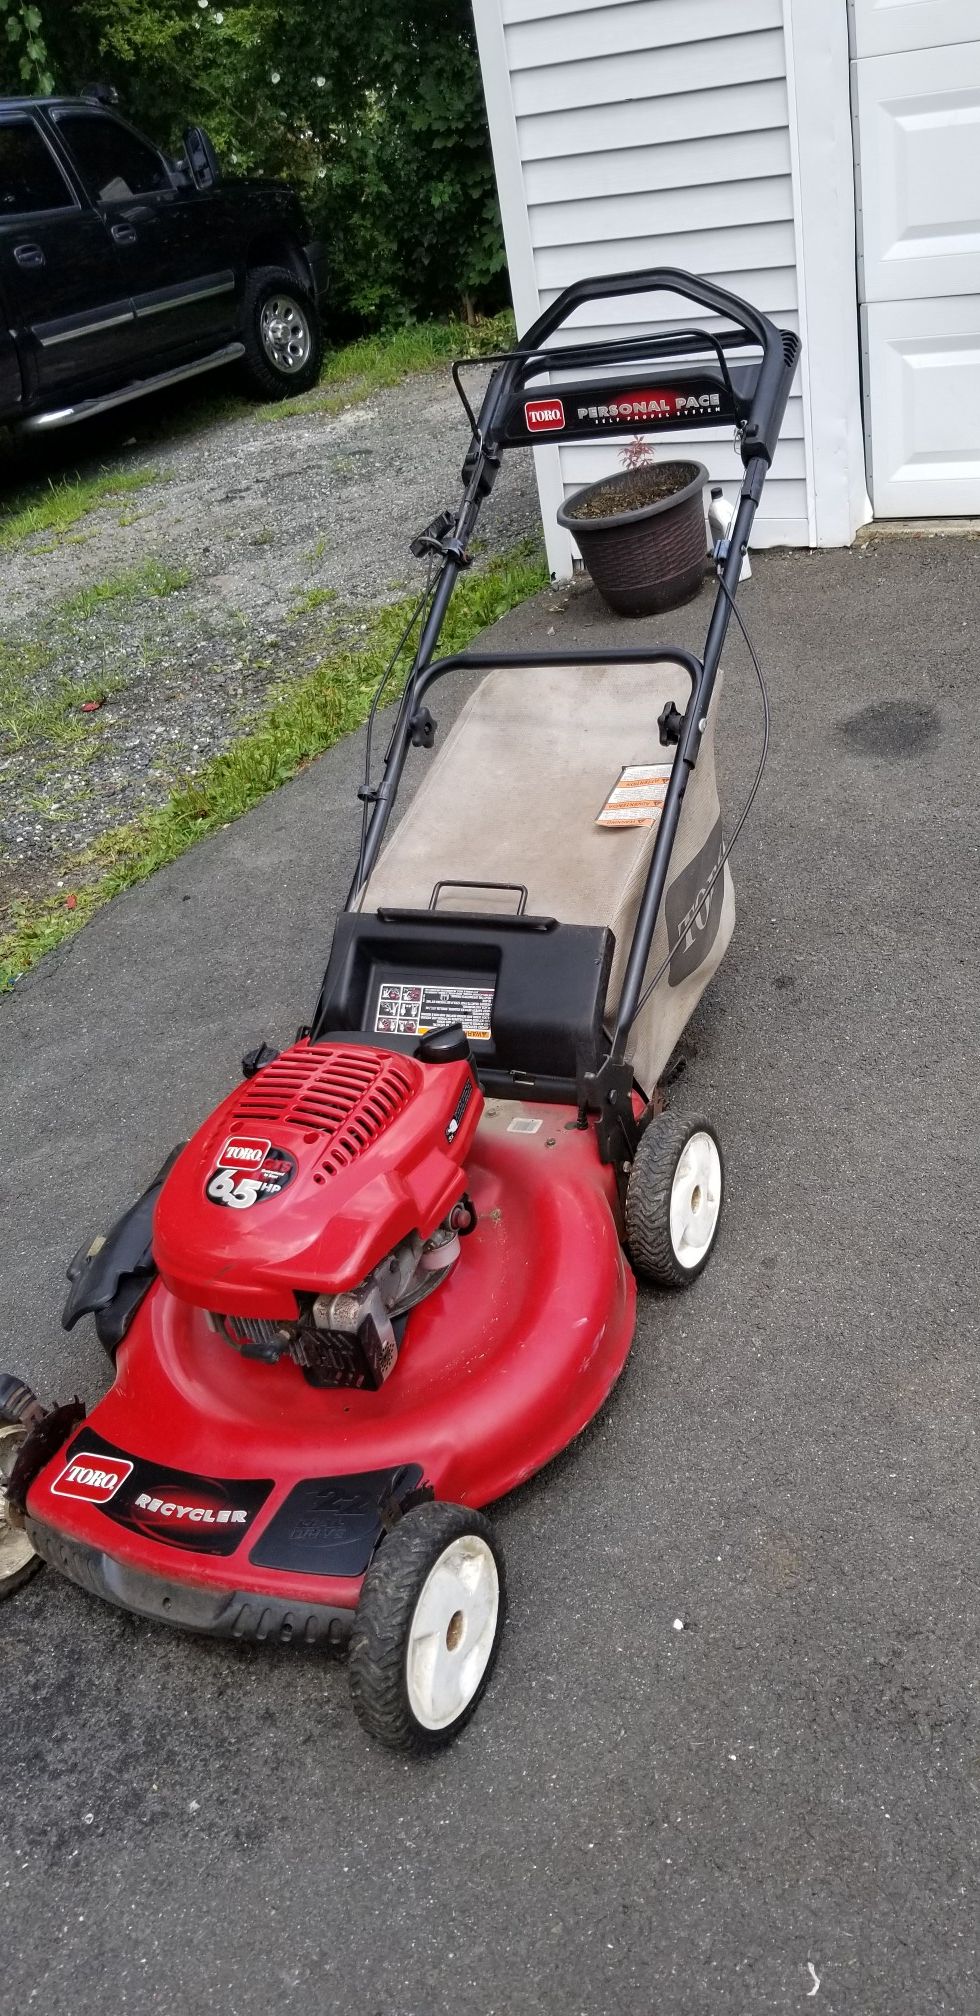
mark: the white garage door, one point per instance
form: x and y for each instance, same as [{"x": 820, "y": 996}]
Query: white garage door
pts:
[{"x": 916, "y": 93}]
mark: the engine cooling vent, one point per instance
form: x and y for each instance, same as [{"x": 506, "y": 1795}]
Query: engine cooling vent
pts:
[{"x": 346, "y": 1093}]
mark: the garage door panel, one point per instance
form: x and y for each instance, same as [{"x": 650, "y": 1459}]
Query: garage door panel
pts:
[
  {"x": 885, "y": 27},
  {"x": 923, "y": 370},
  {"x": 919, "y": 144}
]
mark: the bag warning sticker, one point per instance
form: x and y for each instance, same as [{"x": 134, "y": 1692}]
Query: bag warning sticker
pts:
[
  {"x": 637, "y": 797},
  {"x": 413, "y": 1007}
]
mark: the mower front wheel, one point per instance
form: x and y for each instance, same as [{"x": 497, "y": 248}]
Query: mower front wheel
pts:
[
  {"x": 428, "y": 1627},
  {"x": 674, "y": 1199}
]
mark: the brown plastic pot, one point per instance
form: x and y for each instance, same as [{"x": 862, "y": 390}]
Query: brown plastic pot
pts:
[{"x": 647, "y": 559}]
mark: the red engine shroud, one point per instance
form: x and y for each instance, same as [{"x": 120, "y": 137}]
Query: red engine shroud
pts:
[
  {"x": 307, "y": 1175},
  {"x": 497, "y": 1372}
]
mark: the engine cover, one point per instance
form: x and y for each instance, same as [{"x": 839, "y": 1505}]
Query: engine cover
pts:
[{"x": 309, "y": 1173}]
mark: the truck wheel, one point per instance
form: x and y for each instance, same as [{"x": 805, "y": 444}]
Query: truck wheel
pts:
[
  {"x": 281, "y": 333},
  {"x": 673, "y": 1199},
  {"x": 427, "y": 1628}
]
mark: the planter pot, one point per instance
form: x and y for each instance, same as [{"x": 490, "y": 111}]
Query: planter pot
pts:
[{"x": 642, "y": 557}]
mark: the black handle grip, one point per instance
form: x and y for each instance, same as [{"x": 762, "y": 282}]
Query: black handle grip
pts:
[{"x": 649, "y": 280}]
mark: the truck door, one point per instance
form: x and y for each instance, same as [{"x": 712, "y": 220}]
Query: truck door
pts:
[
  {"x": 177, "y": 257},
  {"x": 69, "y": 307}
]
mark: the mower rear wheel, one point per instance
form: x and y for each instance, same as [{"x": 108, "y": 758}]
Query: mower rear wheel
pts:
[
  {"x": 428, "y": 1627},
  {"x": 674, "y": 1199}
]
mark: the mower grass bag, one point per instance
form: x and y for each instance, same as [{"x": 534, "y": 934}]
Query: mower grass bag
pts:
[
  {"x": 395, "y": 1271},
  {"x": 515, "y": 798}
]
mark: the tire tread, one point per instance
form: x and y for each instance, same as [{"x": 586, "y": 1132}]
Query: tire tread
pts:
[
  {"x": 648, "y": 1199},
  {"x": 391, "y": 1590}
]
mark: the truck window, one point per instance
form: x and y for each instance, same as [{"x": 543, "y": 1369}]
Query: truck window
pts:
[
  {"x": 30, "y": 178},
  {"x": 114, "y": 165}
]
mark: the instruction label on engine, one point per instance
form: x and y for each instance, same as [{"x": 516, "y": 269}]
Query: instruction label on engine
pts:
[
  {"x": 416, "y": 1006},
  {"x": 637, "y": 797}
]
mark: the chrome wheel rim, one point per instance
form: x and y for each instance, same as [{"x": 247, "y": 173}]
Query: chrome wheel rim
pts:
[
  {"x": 285, "y": 333},
  {"x": 452, "y": 1632},
  {"x": 695, "y": 1199}
]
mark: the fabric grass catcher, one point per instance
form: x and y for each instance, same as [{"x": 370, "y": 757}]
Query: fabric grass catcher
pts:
[{"x": 642, "y": 535}]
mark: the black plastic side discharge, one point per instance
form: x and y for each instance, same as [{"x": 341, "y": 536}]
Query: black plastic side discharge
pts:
[{"x": 110, "y": 1276}]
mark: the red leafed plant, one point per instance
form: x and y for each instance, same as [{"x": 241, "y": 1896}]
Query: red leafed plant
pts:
[{"x": 636, "y": 453}]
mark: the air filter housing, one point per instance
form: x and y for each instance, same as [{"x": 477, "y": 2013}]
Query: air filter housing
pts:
[{"x": 344, "y": 1094}]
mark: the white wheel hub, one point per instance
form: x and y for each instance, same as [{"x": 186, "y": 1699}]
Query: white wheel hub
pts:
[
  {"x": 695, "y": 1199},
  {"x": 452, "y": 1632}
]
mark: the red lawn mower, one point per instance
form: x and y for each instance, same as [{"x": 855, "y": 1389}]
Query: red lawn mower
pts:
[{"x": 387, "y": 1280}]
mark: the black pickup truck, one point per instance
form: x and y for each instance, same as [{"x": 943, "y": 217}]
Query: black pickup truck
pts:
[{"x": 122, "y": 270}]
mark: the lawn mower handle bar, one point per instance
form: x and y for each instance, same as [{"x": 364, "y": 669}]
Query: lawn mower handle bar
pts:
[
  {"x": 765, "y": 387},
  {"x": 780, "y": 353}
]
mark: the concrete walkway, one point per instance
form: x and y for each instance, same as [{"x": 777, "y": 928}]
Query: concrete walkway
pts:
[{"x": 776, "y": 1806}]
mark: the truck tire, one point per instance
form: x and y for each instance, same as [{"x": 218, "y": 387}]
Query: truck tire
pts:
[{"x": 281, "y": 333}]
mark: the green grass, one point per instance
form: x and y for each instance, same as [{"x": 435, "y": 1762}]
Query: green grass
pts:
[
  {"x": 32, "y": 710},
  {"x": 371, "y": 363},
  {"x": 57, "y": 505},
  {"x": 313, "y": 598},
  {"x": 153, "y": 578},
  {"x": 419, "y": 346},
  {"x": 29, "y": 712},
  {"x": 300, "y": 721}
]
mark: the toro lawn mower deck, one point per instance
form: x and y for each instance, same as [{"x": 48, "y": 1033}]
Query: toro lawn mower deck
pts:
[{"x": 387, "y": 1280}]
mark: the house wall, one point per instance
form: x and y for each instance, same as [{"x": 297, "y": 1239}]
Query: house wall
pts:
[{"x": 636, "y": 133}]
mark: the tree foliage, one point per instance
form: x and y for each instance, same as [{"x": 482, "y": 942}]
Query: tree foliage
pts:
[
  {"x": 374, "y": 108},
  {"x": 23, "y": 53}
]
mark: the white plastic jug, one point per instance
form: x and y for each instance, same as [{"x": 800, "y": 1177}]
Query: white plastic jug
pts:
[{"x": 720, "y": 516}]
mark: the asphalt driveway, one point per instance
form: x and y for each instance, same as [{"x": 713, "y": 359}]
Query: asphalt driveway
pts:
[{"x": 776, "y": 1805}]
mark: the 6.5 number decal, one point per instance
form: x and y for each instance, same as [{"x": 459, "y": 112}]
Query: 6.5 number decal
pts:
[{"x": 226, "y": 1187}]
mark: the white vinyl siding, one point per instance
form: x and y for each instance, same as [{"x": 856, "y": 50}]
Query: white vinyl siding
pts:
[{"x": 649, "y": 133}]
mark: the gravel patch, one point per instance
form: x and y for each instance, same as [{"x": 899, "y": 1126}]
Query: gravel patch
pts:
[{"x": 288, "y": 530}]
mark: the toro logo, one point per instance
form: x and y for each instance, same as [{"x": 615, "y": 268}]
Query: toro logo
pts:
[
  {"x": 94, "y": 1478},
  {"x": 544, "y": 416},
  {"x": 241, "y": 1152}
]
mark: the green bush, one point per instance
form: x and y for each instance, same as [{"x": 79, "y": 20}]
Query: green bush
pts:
[{"x": 374, "y": 108}]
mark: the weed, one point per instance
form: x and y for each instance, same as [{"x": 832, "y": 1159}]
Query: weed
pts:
[
  {"x": 153, "y": 578},
  {"x": 312, "y": 598},
  {"x": 31, "y": 713},
  {"x": 55, "y": 506}
]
